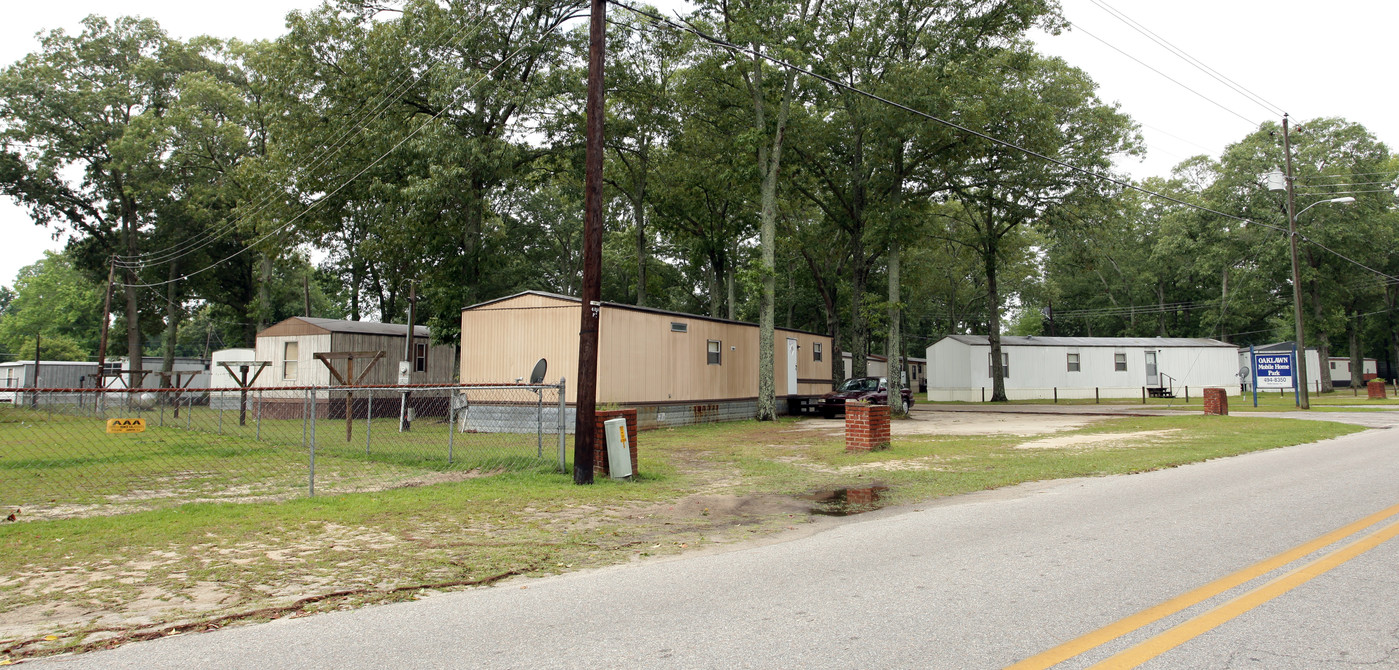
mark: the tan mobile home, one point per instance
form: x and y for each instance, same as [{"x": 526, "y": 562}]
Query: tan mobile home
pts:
[{"x": 674, "y": 367}]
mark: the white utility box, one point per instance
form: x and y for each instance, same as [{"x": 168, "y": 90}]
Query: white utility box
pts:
[{"x": 618, "y": 448}]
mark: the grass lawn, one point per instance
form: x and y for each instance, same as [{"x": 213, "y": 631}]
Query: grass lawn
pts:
[
  {"x": 97, "y": 581},
  {"x": 1342, "y": 399}
]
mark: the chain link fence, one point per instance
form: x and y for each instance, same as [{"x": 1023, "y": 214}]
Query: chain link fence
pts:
[{"x": 83, "y": 452}]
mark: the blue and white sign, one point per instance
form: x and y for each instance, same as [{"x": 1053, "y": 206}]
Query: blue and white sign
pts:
[{"x": 1274, "y": 370}]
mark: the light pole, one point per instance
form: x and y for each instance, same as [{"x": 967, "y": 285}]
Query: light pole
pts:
[{"x": 1292, "y": 215}]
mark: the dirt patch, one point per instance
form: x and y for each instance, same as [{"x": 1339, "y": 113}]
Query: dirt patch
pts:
[
  {"x": 1101, "y": 440},
  {"x": 964, "y": 423}
]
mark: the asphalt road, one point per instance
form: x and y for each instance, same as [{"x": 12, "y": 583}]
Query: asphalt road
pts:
[{"x": 979, "y": 581}]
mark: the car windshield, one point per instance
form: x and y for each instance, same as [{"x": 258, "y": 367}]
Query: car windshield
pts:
[{"x": 860, "y": 384}]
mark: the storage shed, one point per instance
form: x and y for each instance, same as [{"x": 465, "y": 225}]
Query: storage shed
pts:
[
  {"x": 959, "y": 366},
  {"x": 675, "y": 368}
]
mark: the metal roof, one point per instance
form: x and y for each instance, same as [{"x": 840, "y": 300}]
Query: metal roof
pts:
[
  {"x": 1142, "y": 342},
  {"x": 636, "y": 308},
  {"x": 364, "y": 327}
]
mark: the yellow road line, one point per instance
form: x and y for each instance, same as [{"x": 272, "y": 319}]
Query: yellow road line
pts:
[
  {"x": 1210, "y": 620},
  {"x": 1194, "y": 597}
]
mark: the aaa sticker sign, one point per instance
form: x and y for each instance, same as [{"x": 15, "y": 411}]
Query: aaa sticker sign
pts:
[
  {"x": 126, "y": 425},
  {"x": 1274, "y": 370}
]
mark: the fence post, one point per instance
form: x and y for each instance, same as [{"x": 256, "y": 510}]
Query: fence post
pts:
[
  {"x": 162, "y": 411},
  {"x": 220, "y": 421},
  {"x": 1187, "y": 394},
  {"x": 368, "y": 421},
  {"x": 563, "y": 410},
  {"x": 1096, "y": 398},
  {"x": 311, "y": 478},
  {"x": 1056, "y": 395},
  {"x": 539, "y": 420},
  {"x": 189, "y": 413},
  {"x": 1143, "y": 395},
  {"x": 451, "y": 425},
  {"x": 259, "y": 416}
]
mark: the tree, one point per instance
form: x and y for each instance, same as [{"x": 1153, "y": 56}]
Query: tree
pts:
[
  {"x": 1043, "y": 105},
  {"x": 53, "y": 299},
  {"x": 88, "y": 105},
  {"x": 756, "y": 25}
]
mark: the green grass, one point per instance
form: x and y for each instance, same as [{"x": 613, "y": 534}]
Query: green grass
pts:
[
  {"x": 529, "y": 520},
  {"x": 54, "y": 463},
  {"x": 1270, "y": 401}
]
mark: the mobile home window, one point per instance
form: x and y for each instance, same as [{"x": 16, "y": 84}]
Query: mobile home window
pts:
[
  {"x": 1119, "y": 362},
  {"x": 420, "y": 357},
  {"x": 678, "y": 327},
  {"x": 1005, "y": 365},
  {"x": 1073, "y": 363},
  {"x": 290, "y": 355},
  {"x": 816, "y": 351},
  {"x": 715, "y": 353}
]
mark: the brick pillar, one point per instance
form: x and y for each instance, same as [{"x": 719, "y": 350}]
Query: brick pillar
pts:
[
  {"x": 1375, "y": 387},
  {"x": 866, "y": 427},
  {"x": 600, "y": 465},
  {"x": 1216, "y": 402}
]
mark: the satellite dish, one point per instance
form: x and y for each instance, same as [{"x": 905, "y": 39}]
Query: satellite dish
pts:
[
  {"x": 1243, "y": 371},
  {"x": 537, "y": 376}
]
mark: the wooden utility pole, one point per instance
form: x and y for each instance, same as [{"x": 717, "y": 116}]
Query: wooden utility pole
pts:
[
  {"x": 106, "y": 316},
  {"x": 306, "y": 293},
  {"x": 1299, "y": 362},
  {"x": 583, "y": 438}
]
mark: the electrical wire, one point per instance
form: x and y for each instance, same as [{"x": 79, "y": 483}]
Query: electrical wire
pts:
[
  {"x": 1197, "y": 63},
  {"x": 376, "y": 161},
  {"x": 1202, "y": 96},
  {"x": 319, "y": 158},
  {"x": 729, "y": 46}
]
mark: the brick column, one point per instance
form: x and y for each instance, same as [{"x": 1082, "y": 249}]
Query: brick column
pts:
[
  {"x": 1375, "y": 387},
  {"x": 1216, "y": 402},
  {"x": 866, "y": 427},
  {"x": 600, "y": 464}
]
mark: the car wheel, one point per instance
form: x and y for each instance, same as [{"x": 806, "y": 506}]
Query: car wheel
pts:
[
  {"x": 904, "y": 406},
  {"x": 828, "y": 412}
]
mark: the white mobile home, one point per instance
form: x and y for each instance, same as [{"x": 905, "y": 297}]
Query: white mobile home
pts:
[
  {"x": 192, "y": 372},
  {"x": 1341, "y": 376},
  {"x": 959, "y": 366},
  {"x": 18, "y": 375}
]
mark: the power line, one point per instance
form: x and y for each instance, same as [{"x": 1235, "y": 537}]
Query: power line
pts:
[
  {"x": 956, "y": 126},
  {"x": 1169, "y": 78},
  {"x": 373, "y": 163},
  {"x": 322, "y": 155},
  {"x": 1197, "y": 63}
]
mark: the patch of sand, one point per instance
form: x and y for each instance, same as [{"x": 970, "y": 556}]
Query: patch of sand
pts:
[
  {"x": 964, "y": 423},
  {"x": 1139, "y": 438}
]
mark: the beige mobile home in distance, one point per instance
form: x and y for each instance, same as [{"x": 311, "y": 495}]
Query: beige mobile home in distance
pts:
[{"x": 674, "y": 368}]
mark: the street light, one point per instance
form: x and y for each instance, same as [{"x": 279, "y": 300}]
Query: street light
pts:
[
  {"x": 1339, "y": 201},
  {"x": 1303, "y": 400}
]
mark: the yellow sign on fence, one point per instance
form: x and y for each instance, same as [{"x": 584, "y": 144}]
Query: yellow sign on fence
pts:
[{"x": 126, "y": 425}]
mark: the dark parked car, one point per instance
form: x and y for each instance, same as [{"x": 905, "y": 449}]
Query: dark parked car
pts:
[{"x": 873, "y": 390}]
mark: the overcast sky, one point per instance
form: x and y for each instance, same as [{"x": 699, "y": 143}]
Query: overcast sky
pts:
[{"x": 1308, "y": 59}]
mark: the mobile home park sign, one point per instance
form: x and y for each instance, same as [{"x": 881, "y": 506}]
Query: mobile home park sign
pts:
[{"x": 1274, "y": 370}]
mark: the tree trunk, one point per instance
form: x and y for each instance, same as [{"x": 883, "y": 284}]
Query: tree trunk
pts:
[
  {"x": 1322, "y": 344},
  {"x": 993, "y": 315},
  {"x": 894, "y": 347},
  {"x": 172, "y": 326},
  {"x": 638, "y": 201},
  {"x": 732, "y": 298},
  {"x": 264, "y": 291},
  {"x": 715, "y": 292},
  {"x": 133, "y": 312},
  {"x": 1357, "y": 361}
]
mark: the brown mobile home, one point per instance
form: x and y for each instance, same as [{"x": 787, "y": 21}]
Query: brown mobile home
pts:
[{"x": 675, "y": 368}]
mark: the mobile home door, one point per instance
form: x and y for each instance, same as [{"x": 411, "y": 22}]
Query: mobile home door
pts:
[
  {"x": 1152, "y": 378},
  {"x": 791, "y": 366}
]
